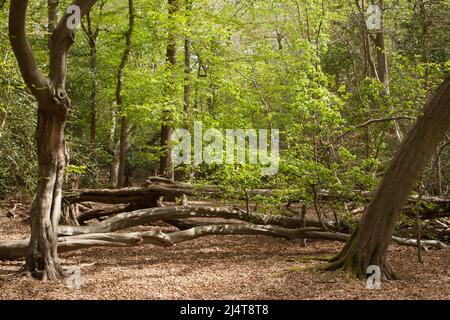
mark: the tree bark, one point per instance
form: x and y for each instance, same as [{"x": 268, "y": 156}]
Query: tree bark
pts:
[
  {"x": 52, "y": 6},
  {"x": 368, "y": 244},
  {"x": 115, "y": 151},
  {"x": 42, "y": 260},
  {"x": 165, "y": 161},
  {"x": 124, "y": 147},
  {"x": 100, "y": 214}
]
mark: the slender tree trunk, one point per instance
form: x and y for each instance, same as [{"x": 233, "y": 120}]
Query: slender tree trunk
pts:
[
  {"x": 369, "y": 242},
  {"x": 187, "y": 63},
  {"x": 187, "y": 78},
  {"x": 165, "y": 161},
  {"x": 114, "y": 151},
  {"x": 383, "y": 71},
  {"x": 114, "y": 170},
  {"x": 3, "y": 122},
  {"x": 437, "y": 167},
  {"x": 124, "y": 128},
  {"x": 124, "y": 146},
  {"x": 93, "y": 99},
  {"x": 92, "y": 37}
]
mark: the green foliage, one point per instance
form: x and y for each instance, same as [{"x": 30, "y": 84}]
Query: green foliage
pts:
[
  {"x": 76, "y": 170},
  {"x": 296, "y": 66}
]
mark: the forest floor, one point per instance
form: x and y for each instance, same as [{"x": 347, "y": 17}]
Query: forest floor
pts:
[{"x": 230, "y": 267}]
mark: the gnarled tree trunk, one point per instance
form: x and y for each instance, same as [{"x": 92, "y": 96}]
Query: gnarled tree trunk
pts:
[
  {"x": 42, "y": 259},
  {"x": 53, "y": 108}
]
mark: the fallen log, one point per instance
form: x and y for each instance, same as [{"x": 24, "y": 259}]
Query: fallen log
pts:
[
  {"x": 16, "y": 249},
  {"x": 100, "y": 214},
  {"x": 144, "y": 216},
  {"x": 179, "y": 217},
  {"x": 137, "y": 195},
  {"x": 184, "y": 224},
  {"x": 424, "y": 243},
  {"x": 149, "y": 195},
  {"x": 426, "y": 212}
]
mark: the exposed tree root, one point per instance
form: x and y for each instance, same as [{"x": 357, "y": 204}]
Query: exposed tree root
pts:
[
  {"x": 43, "y": 271},
  {"x": 354, "y": 262},
  {"x": 354, "y": 266}
]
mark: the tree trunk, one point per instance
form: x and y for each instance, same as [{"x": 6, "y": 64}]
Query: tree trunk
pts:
[
  {"x": 369, "y": 242},
  {"x": 3, "y": 122},
  {"x": 187, "y": 65},
  {"x": 383, "y": 73},
  {"x": 123, "y": 150},
  {"x": 114, "y": 169},
  {"x": 54, "y": 104},
  {"x": 124, "y": 129},
  {"x": 165, "y": 161},
  {"x": 42, "y": 260},
  {"x": 187, "y": 78},
  {"x": 93, "y": 36}
]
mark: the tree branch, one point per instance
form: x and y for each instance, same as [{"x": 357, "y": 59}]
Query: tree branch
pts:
[
  {"x": 371, "y": 121},
  {"x": 60, "y": 42},
  {"x": 33, "y": 77}
]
